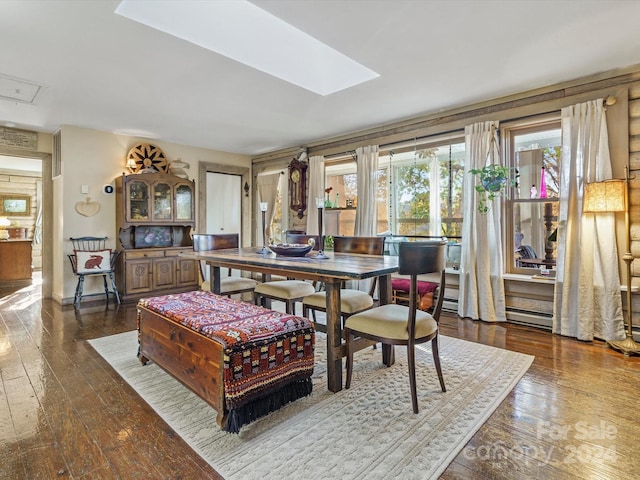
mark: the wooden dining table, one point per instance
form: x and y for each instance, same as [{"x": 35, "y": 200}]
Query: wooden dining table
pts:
[{"x": 332, "y": 271}]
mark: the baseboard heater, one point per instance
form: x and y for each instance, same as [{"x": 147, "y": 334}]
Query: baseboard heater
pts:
[{"x": 514, "y": 315}]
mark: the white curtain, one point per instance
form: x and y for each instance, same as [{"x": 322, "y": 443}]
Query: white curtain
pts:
[
  {"x": 435, "y": 217},
  {"x": 587, "y": 299},
  {"x": 267, "y": 192},
  {"x": 316, "y": 190},
  {"x": 366, "y": 223},
  {"x": 481, "y": 283}
]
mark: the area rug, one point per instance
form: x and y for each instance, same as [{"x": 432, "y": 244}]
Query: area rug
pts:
[{"x": 368, "y": 431}]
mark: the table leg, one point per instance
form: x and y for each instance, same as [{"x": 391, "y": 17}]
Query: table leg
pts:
[
  {"x": 214, "y": 278},
  {"x": 334, "y": 337}
]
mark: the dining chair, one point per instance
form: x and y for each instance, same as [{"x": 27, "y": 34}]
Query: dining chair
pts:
[
  {"x": 352, "y": 301},
  {"x": 92, "y": 257},
  {"x": 288, "y": 290},
  {"x": 394, "y": 324},
  {"x": 302, "y": 238},
  {"x": 229, "y": 285}
]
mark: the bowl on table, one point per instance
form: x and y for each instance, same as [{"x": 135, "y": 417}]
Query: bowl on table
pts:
[{"x": 291, "y": 249}]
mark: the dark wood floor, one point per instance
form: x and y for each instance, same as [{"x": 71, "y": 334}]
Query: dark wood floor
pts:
[{"x": 64, "y": 413}]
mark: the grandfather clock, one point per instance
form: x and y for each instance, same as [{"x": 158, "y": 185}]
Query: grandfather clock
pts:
[{"x": 298, "y": 187}]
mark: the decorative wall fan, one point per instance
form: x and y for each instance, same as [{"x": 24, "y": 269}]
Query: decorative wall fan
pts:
[{"x": 147, "y": 158}]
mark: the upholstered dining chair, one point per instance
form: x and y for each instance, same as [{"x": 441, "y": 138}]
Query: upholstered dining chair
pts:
[
  {"x": 288, "y": 291},
  {"x": 351, "y": 300},
  {"x": 228, "y": 285},
  {"x": 394, "y": 324}
]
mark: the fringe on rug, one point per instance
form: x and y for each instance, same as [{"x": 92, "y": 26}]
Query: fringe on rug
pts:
[{"x": 260, "y": 407}]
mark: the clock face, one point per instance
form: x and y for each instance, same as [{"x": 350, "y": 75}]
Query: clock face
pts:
[{"x": 295, "y": 176}]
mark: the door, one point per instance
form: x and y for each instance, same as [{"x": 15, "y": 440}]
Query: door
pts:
[{"x": 224, "y": 200}]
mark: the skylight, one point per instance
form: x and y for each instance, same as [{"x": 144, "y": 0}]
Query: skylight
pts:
[{"x": 243, "y": 32}]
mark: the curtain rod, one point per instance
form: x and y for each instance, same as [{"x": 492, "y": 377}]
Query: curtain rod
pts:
[
  {"x": 608, "y": 101},
  {"x": 432, "y": 138},
  {"x": 342, "y": 155}
]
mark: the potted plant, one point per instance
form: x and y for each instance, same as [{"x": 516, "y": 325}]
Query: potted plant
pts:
[{"x": 494, "y": 180}]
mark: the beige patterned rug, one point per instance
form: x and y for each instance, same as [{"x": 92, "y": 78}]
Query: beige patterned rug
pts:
[{"x": 368, "y": 431}]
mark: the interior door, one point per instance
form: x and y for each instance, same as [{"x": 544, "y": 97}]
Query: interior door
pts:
[{"x": 224, "y": 199}]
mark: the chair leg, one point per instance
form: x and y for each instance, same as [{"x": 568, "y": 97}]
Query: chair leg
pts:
[
  {"x": 436, "y": 360},
  {"x": 106, "y": 287},
  {"x": 411, "y": 360},
  {"x": 79, "y": 288},
  {"x": 115, "y": 288},
  {"x": 348, "y": 336},
  {"x": 290, "y": 307}
]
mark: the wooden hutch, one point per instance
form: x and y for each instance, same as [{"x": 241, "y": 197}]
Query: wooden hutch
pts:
[{"x": 155, "y": 213}]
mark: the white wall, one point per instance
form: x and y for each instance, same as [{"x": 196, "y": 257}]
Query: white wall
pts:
[{"x": 95, "y": 159}]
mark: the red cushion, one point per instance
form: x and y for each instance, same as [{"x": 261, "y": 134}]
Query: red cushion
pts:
[{"x": 404, "y": 284}]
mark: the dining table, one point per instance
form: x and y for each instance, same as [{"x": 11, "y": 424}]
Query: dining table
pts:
[{"x": 331, "y": 271}]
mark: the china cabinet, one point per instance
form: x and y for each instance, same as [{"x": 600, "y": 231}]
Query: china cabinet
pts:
[{"x": 155, "y": 213}]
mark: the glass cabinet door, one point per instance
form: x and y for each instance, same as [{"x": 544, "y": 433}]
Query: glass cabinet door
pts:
[
  {"x": 137, "y": 201},
  {"x": 184, "y": 202},
  {"x": 161, "y": 201}
]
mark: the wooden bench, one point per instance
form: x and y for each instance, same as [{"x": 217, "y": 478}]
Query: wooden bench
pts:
[{"x": 243, "y": 360}]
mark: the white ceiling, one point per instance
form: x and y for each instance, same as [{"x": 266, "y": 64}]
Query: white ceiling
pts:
[{"x": 100, "y": 70}]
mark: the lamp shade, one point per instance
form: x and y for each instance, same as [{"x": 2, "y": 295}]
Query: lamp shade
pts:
[{"x": 607, "y": 196}]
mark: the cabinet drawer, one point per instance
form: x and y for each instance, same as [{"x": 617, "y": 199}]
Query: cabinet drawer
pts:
[
  {"x": 133, "y": 254},
  {"x": 178, "y": 252}
]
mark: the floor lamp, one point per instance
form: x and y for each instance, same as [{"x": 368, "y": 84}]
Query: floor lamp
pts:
[{"x": 613, "y": 196}]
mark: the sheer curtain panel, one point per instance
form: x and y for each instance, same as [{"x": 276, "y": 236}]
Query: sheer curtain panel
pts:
[
  {"x": 366, "y": 223},
  {"x": 316, "y": 190},
  {"x": 481, "y": 283},
  {"x": 267, "y": 192},
  {"x": 587, "y": 299}
]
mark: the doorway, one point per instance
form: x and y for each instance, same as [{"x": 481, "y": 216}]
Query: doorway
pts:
[
  {"x": 224, "y": 201},
  {"x": 209, "y": 210},
  {"x": 28, "y": 171}
]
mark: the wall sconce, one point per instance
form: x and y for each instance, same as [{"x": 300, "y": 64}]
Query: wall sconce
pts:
[
  {"x": 246, "y": 189},
  {"x": 131, "y": 165}
]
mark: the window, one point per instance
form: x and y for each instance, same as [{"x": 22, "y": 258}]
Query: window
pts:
[
  {"x": 280, "y": 215},
  {"x": 532, "y": 210},
  {"x": 425, "y": 188},
  {"x": 419, "y": 190},
  {"x": 341, "y": 178}
]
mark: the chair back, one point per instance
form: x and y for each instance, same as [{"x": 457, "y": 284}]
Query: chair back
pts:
[
  {"x": 89, "y": 244},
  {"x": 213, "y": 241},
  {"x": 92, "y": 256},
  {"x": 303, "y": 239},
  {"x": 361, "y": 245},
  {"x": 418, "y": 258}
]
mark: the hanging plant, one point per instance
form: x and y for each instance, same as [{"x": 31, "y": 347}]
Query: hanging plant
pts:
[{"x": 494, "y": 180}]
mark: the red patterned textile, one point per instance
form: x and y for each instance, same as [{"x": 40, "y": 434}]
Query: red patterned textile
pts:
[
  {"x": 264, "y": 349},
  {"x": 404, "y": 284}
]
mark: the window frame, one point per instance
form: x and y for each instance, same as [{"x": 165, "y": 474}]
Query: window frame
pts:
[
  {"x": 508, "y": 132},
  {"x": 424, "y": 143}
]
